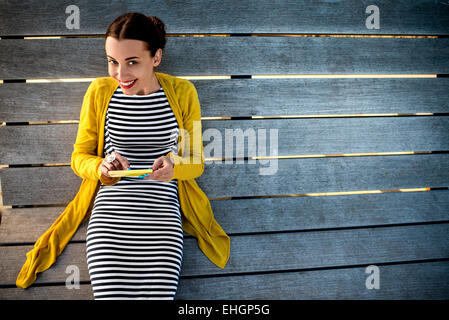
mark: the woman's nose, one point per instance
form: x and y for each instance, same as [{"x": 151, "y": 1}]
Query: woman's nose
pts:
[{"x": 122, "y": 72}]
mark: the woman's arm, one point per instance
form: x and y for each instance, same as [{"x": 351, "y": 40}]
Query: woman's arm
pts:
[
  {"x": 85, "y": 162},
  {"x": 191, "y": 164}
]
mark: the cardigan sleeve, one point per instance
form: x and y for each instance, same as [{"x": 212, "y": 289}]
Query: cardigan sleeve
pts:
[
  {"x": 85, "y": 162},
  {"x": 190, "y": 164}
]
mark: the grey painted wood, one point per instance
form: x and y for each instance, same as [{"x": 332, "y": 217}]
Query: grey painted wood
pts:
[
  {"x": 24, "y": 143},
  {"x": 15, "y": 256},
  {"x": 21, "y": 102},
  {"x": 58, "y": 185},
  {"x": 261, "y": 97},
  {"x": 25, "y": 225},
  {"x": 41, "y": 101},
  {"x": 404, "y": 281},
  {"x": 298, "y": 176},
  {"x": 85, "y": 57},
  {"x": 38, "y": 144},
  {"x": 398, "y": 17},
  {"x": 55, "y": 292},
  {"x": 68, "y": 186},
  {"x": 273, "y": 252},
  {"x": 315, "y": 249},
  {"x": 308, "y": 213}
]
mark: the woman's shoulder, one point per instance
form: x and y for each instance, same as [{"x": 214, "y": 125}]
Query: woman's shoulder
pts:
[
  {"x": 103, "y": 86},
  {"x": 177, "y": 83},
  {"x": 104, "y": 82}
]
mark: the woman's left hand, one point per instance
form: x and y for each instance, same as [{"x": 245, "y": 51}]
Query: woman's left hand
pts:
[{"x": 162, "y": 169}]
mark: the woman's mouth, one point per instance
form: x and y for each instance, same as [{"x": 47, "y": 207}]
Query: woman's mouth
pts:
[{"x": 128, "y": 85}]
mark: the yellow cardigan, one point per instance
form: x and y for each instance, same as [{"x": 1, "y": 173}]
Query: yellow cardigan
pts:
[{"x": 198, "y": 219}]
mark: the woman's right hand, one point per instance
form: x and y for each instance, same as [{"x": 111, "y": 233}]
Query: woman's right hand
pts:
[{"x": 120, "y": 163}]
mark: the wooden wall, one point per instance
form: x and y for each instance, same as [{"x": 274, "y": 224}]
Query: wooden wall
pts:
[{"x": 362, "y": 170}]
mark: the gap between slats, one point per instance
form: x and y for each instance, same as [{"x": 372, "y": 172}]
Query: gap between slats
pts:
[
  {"x": 245, "y": 234},
  {"x": 265, "y": 117},
  {"x": 252, "y": 158},
  {"x": 182, "y": 35},
  {"x": 230, "y": 77},
  {"x": 379, "y": 264},
  {"x": 314, "y": 194}
]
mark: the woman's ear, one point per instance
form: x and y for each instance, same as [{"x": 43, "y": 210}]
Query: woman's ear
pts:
[{"x": 157, "y": 57}]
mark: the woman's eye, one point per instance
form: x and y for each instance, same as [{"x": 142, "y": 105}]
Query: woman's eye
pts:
[{"x": 130, "y": 62}]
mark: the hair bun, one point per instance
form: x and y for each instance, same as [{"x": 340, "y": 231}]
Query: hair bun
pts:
[{"x": 158, "y": 23}]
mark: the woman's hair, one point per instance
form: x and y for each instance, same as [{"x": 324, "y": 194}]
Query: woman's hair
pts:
[{"x": 138, "y": 26}]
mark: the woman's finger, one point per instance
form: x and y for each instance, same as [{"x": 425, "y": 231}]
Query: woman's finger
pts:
[
  {"x": 110, "y": 166},
  {"x": 162, "y": 170},
  {"x": 105, "y": 167},
  {"x": 117, "y": 165},
  {"x": 122, "y": 162},
  {"x": 157, "y": 163}
]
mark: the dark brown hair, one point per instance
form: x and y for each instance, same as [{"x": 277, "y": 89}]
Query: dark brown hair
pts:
[{"x": 138, "y": 26}]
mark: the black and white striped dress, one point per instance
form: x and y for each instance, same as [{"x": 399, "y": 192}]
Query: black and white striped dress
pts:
[{"x": 134, "y": 237}]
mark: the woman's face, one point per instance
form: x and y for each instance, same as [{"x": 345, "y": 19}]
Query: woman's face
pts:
[{"x": 130, "y": 63}]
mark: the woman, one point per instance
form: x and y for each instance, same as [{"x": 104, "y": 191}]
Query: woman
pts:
[{"x": 134, "y": 119}]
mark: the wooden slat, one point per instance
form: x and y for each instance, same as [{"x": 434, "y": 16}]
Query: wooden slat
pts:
[
  {"x": 398, "y": 17},
  {"x": 260, "y": 97},
  {"x": 41, "y": 101},
  {"x": 326, "y": 175},
  {"x": 273, "y": 252},
  {"x": 68, "y": 185},
  {"x": 37, "y": 144},
  {"x": 26, "y": 225},
  {"x": 21, "y": 102},
  {"x": 270, "y": 214},
  {"x": 55, "y": 292},
  {"x": 13, "y": 258},
  {"x": 404, "y": 281},
  {"x": 47, "y": 185},
  {"x": 85, "y": 57},
  {"x": 32, "y": 142},
  {"x": 300, "y": 250}
]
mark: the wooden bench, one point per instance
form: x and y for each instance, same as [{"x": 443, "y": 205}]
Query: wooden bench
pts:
[{"x": 362, "y": 157}]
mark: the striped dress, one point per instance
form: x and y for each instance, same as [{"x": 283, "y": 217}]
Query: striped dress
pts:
[{"x": 134, "y": 236}]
